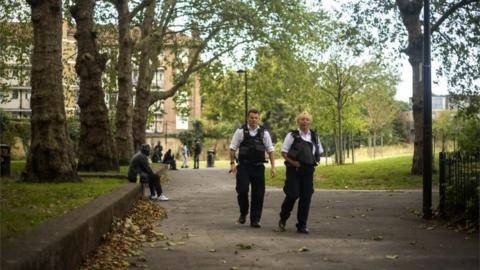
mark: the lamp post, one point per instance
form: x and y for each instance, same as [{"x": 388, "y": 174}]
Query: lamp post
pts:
[
  {"x": 240, "y": 71},
  {"x": 427, "y": 114}
]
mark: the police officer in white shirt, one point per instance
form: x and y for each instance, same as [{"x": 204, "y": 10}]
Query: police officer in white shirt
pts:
[
  {"x": 252, "y": 141},
  {"x": 301, "y": 150}
]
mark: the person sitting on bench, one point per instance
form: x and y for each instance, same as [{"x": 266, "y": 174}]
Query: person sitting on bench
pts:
[
  {"x": 139, "y": 166},
  {"x": 170, "y": 160}
]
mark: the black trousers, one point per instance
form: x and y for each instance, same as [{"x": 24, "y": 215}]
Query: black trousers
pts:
[
  {"x": 254, "y": 175},
  {"x": 196, "y": 161},
  {"x": 154, "y": 184},
  {"x": 299, "y": 184}
]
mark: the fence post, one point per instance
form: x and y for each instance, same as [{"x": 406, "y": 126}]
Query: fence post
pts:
[{"x": 442, "y": 184}]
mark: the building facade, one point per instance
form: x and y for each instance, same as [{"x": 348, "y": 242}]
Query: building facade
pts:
[{"x": 165, "y": 120}]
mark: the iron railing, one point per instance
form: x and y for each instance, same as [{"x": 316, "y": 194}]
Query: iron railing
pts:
[{"x": 459, "y": 179}]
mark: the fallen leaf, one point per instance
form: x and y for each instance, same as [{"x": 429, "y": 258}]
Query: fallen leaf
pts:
[
  {"x": 212, "y": 250},
  {"x": 392, "y": 257},
  {"x": 303, "y": 249},
  {"x": 244, "y": 246},
  {"x": 378, "y": 238}
]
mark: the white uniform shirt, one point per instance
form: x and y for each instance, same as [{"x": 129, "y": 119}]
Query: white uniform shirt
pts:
[
  {"x": 287, "y": 143},
  {"x": 238, "y": 138}
]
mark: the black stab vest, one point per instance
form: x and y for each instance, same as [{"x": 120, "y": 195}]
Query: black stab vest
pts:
[
  {"x": 252, "y": 149},
  {"x": 301, "y": 150}
]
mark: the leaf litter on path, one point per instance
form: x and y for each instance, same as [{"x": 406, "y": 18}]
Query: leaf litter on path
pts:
[{"x": 126, "y": 238}]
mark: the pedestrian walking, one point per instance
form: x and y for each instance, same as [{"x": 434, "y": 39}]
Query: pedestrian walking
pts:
[
  {"x": 301, "y": 150},
  {"x": 197, "y": 149},
  {"x": 252, "y": 141},
  {"x": 185, "y": 155}
]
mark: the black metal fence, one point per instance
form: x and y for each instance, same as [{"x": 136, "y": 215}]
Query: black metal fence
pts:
[{"x": 459, "y": 174}]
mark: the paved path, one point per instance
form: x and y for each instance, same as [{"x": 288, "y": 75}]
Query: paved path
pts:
[{"x": 348, "y": 230}]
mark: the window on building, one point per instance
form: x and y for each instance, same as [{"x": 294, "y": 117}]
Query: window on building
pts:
[
  {"x": 182, "y": 122},
  {"x": 157, "y": 81},
  {"x": 15, "y": 94},
  {"x": 438, "y": 103}
]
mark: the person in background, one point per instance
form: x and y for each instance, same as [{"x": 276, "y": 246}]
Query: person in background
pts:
[
  {"x": 197, "y": 149},
  {"x": 170, "y": 160},
  {"x": 139, "y": 166},
  {"x": 185, "y": 155},
  {"x": 157, "y": 153},
  {"x": 301, "y": 150}
]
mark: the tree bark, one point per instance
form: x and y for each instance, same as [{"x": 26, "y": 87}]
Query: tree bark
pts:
[
  {"x": 410, "y": 12},
  {"x": 97, "y": 151},
  {"x": 51, "y": 157},
  {"x": 341, "y": 158},
  {"x": 146, "y": 72},
  {"x": 123, "y": 123}
]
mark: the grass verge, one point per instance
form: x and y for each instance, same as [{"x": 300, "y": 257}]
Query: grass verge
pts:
[
  {"x": 383, "y": 174},
  {"x": 24, "y": 206}
]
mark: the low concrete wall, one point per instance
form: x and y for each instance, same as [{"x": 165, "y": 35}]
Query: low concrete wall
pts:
[{"x": 63, "y": 242}]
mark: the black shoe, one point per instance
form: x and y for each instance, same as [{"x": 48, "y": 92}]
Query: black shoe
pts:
[
  {"x": 281, "y": 225},
  {"x": 303, "y": 230},
  {"x": 241, "y": 219},
  {"x": 255, "y": 224}
]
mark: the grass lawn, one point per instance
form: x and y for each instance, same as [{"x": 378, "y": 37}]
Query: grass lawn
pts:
[
  {"x": 24, "y": 206},
  {"x": 383, "y": 174}
]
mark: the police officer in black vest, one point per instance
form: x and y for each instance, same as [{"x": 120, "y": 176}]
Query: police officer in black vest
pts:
[
  {"x": 301, "y": 150},
  {"x": 252, "y": 141}
]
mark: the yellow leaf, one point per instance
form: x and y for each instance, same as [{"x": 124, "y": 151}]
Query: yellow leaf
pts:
[{"x": 392, "y": 257}]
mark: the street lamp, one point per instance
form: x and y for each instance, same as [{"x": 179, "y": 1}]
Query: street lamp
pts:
[
  {"x": 427, "y": 114},
  {"x": 240, "y": 71}
]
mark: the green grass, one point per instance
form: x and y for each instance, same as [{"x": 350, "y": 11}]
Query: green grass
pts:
[
  {"x": 383, "y": 174},
  {"x": 24, "y": 206}
]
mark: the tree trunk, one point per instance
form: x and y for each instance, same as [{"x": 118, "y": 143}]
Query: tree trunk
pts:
[
  {"x": 369, "y": 151},
  {"x": 145, "y": 75},
  {"x": 353, "y": 148},
  {"x": 123, "y": 136},
  {"x": 374, "y": 144},
  {"x": 335, "y": 139},
  {"x": 97, "y": 150},
  {"x": 410, "y": 12},
  {"x": 51, "y": 157},
  {"x": 381, "y": 144},
  {"x": 341, "y": 159}
]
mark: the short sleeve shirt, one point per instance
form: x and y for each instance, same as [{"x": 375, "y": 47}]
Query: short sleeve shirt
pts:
[
  {"x": 287, "y": 143},
  {"x": 238, "y": 138}
]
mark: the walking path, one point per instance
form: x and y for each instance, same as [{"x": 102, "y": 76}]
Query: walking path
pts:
[{"x": 348, "y": 230}]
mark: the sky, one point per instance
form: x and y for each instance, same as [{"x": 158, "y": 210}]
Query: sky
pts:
[{"x": 404, "y": 88}]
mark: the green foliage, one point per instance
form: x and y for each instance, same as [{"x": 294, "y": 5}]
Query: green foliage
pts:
[
  {"x": 189, "y": 136},
  {"x": 469, "y": 134},
  {"x": 15, "y": 43},
  {"x": 73, "y": 124},
  {"x": 11, "y": 128},
  {"x": 454, "y": 33},
  {"x": 386, "y": 174}
]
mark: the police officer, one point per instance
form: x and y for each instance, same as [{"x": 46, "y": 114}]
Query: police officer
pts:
[
  {"x": 301, "y": 150},
  {"x": 252, "y": 141}
]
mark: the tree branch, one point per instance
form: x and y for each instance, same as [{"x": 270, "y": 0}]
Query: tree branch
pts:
[
  {"x": 156, "y": 96},
  {"x": 140, "y": 6},
  {"x": 450, "y": 11}
]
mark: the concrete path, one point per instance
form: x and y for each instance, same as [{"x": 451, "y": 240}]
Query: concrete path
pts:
[{"x": 348, "y": 230}]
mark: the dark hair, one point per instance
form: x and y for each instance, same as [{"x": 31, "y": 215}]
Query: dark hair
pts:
[{"x": 252, "y": 110}]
